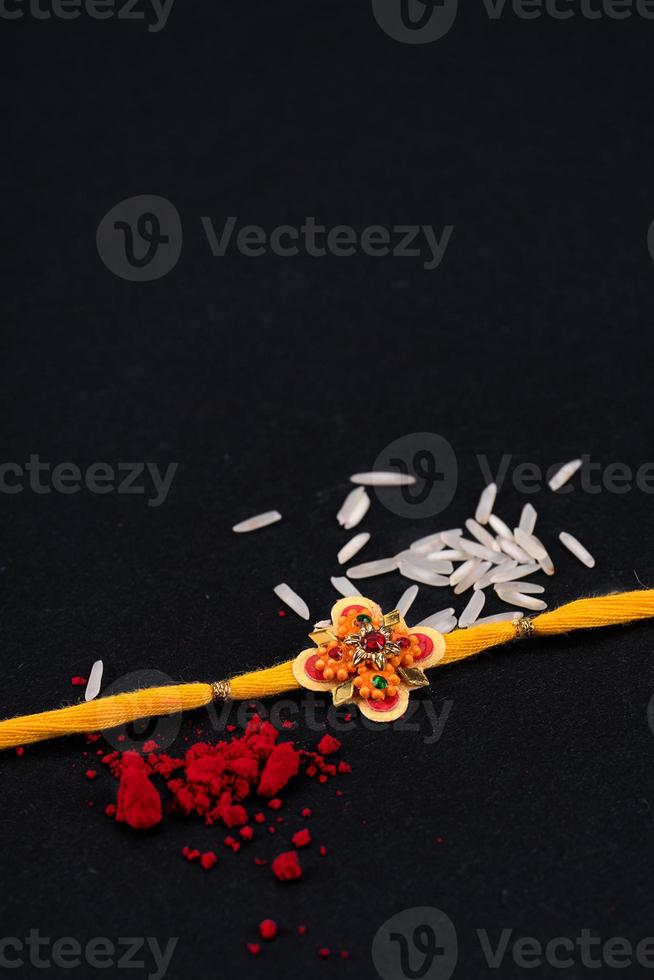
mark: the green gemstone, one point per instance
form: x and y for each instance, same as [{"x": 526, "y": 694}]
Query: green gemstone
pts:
[
  {"x": 364, "y": 619},
  {"x": 379, "y": 682}
]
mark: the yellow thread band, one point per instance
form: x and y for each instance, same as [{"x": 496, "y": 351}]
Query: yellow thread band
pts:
[{"x": 120, "y": 709}]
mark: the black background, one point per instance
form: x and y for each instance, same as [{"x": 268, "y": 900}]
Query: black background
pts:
[{"x": 269, "y": 381}]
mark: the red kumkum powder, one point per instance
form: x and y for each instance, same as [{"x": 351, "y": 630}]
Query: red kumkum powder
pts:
[{"x": 215, "y": 782}]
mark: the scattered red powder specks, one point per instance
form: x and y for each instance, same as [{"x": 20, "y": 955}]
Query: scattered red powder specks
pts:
[
  {"x": 301, "y": 930},
  {"x": 139, "y": 803},
  {"x": 268, "y": 929},
  {"x": 275, "y": 804},
  {"x": 254, "y": 948},
  {"x": 302, "y": 838},
  {"x": 324, "y": 952},
  {"x": 281, "y": 613},
  {"x": 328, "y": 745},
  {"x": 260, "y": 817},
  {"x": 287, "y": 867},
  {"x": 322, "y": 850},
  {"x": 79, "y": 681},
  {"x": 20, "y": 750},
  {"x": 91, "y": 773},
  {"x": 440, "y": 840},
  {"x": 208, "y": 860},
  {"x": 288, "y": 724},
  {"x": 246, "y": 833},
  {"x": 149, "y": 746},
  {"x": 306, "y": 812},
  {"x": 110, "y": 809},
  {"x": 344, "y": 954}
]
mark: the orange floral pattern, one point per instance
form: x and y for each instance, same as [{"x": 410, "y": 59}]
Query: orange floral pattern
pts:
[{"x": 368, "y": 658}]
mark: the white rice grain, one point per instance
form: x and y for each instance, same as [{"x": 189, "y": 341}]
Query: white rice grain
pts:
[
  {"x": 419, "y": 574},
  {"x": 94, "y": 682},
  {"x": 576, "y": 547},
  {"x": 358, "y": 511},
  {"x": 473, "y": 575},
  {"x": 530, "y": 543},
  {"x": 500, "y": 528},
  {"x": 292, "y": 599},
  {"x": 406, "y": 600},
  {"x": 370, "y": 568},
  {"x": 547, "y": 565},
  {"x": 348, "y": 505},
  {"x": 520, "y": 599},
  {"x": 528, "y": 519},
  {"x": 482, "y": 535},
  {"x": 480, "y": 551},
  {"x": 472, "y": 610},
  {"x": 432, "y": 542},
  {"x": 511, "y": 570},
  {"x": 487, "y": 579},
  {"x": 530, "y": 588},
  {"x": 379, "y": 478},
  {"x": 505, "y": 617},
  {"x": 425, "y": 562},
  {"x": 442, "y": 624},
  {"x": 451, "y": 538},
  {"x": 449, "y": 554},
  {"x": 343, "y": 585},
  {"x": 434, "y": 618},
  {"x": 565, "y": 473},
  {"x": 462, "y": 571},
  {"x": 352, "y": 547},
  {"x": 258, "y": 521},
  {"x": 486, "y": 503},
  {"x": 514, "y": 551}
]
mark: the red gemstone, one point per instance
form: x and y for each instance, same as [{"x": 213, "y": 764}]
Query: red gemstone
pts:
[
  {"x": 404, "y": 642},
  {"x": 374, "y": 641}
]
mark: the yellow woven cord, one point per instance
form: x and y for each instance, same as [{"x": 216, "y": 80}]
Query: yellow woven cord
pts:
[
  {"x": 119, "y": 709},
  {"x": 261, "y": 683},
  {"x": 93, "y": 716}
]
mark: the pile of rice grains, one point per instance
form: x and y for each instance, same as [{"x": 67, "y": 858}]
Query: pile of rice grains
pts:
[{"x": 239, "y": 784}]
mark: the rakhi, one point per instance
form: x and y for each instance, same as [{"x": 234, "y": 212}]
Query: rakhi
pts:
[{"x": 360, "y": 655}]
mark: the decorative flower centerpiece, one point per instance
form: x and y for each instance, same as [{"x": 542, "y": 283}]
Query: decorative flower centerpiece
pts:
[{"x": 368, "y": 658}]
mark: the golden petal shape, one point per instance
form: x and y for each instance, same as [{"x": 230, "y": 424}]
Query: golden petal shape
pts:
[{"x": 413, "y": 676}]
